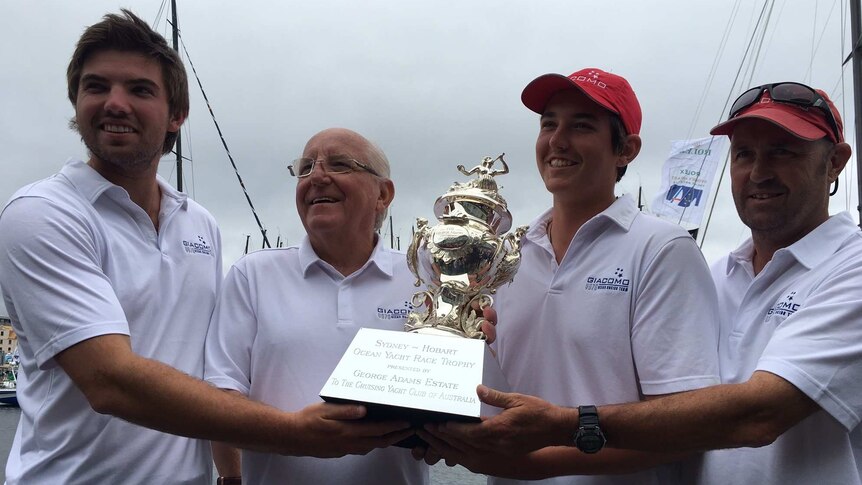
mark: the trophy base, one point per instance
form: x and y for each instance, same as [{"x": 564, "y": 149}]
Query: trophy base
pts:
[
  {"x": 416, "y": 417},
  {"x": 439, "y": 330},
  {"x": 416, "y": 377}
]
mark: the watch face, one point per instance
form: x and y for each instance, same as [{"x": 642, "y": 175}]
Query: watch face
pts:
[{"x": 590, "y": 441}]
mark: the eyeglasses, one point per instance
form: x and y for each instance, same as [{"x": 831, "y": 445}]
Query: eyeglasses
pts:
[
  {"x": 789, "y": 93},
  {"x": 302, "y": 167}
]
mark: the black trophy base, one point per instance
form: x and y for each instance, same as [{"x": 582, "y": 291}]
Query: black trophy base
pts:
[{"x": 416, "y": 417}]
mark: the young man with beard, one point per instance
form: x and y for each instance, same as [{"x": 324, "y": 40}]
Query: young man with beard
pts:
[
  {"x": 110, "y": 277},
  {"x": 789, "y": 406},
  {"x": 609, "y": 305}
]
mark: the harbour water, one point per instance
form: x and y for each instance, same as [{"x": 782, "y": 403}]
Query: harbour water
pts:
[
  {"x": 8, "y": 422},
  {"x": 440, "y": 473}
]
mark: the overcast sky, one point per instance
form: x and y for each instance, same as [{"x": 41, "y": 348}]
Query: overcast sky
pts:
[{"x": 434, "y": 83}]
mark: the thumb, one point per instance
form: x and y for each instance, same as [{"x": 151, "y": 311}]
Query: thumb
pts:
[{"x": 496, "y": 398}]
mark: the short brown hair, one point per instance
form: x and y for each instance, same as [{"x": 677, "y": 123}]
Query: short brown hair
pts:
[
  {"x": 618, "y": 141},
  {"x": 129, "y": 33}
]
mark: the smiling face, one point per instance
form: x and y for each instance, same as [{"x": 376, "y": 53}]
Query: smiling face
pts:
[
  {"x": 574, "y": 152},
  {"x": 343, "y": 206},
  {"x": 122, "y": 111},
  {"x": 780, "y": 182}
]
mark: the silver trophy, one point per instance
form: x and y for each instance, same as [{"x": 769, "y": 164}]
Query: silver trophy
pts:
[
  {"x": 423, "y": 375},
  {"x": 465, "y": 257}
]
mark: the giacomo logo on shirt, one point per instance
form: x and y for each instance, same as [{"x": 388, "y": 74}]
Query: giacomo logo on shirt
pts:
[
  {"x": 616, "y": 282},
  {"x": 198, "y": 246},
  {"x": 394, "y": 313},
  {"x": 785, "y": 306}
]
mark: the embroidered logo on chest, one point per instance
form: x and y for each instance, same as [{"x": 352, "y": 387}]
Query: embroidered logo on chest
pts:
[
  {"x": 394, "y": 313},
  {"x": 615, "y": 282},
  {"x": 197, "y": 246},
  {"x": 785, "y": 306}
]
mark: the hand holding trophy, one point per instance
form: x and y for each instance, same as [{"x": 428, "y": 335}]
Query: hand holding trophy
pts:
[{"x": 423, "y": 374}]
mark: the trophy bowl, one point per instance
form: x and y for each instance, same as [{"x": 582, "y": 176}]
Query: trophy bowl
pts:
[{"x": 465, "y": 257}]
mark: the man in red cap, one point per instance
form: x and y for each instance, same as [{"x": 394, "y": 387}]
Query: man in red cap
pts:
[
  {"x": 604, "y": 291},
  {"x": 790, "y": 405}
]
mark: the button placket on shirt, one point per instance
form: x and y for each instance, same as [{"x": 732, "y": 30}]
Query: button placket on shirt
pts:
[{"x": 344, "y": 305}]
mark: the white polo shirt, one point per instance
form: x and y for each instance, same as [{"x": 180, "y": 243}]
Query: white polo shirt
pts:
[
  {"x": 282, "y": 323},
  {"x": 78, "y": 259},
  {"x": 629, "y": 311},
  {"x": 800, "y": 318}
]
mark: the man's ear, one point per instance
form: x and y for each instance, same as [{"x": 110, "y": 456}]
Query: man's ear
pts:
[
  {"x": 387, "y": 193},
  {"x": 175, "y": 122},
  {"x": 838, "y": 158},
  {"x": 631, "y": 148}
]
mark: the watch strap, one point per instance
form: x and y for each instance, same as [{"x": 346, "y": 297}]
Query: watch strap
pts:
[{"x": 588, "y": 416}]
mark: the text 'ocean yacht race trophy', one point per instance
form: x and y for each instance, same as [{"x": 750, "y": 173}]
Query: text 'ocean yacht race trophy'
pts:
[{"x": 425, "y": 375}]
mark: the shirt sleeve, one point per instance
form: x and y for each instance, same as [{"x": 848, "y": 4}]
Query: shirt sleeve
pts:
[
  {"x": 675, "y": 324},
  {"x": 51, "y": 274},
  {"x": 231, "y": 335},
  {"x": 818, "y": 348}
]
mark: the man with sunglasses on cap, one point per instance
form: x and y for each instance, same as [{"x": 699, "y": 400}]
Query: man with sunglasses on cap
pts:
[
  {"x": 610, "y": 305},
  {"x": 791, "y": 339}
]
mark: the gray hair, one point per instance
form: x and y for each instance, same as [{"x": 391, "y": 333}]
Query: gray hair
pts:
[{"x": 377, "y": 161}]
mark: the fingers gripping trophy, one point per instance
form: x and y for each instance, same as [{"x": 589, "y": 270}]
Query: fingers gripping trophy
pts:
[{"x": 465, "y": 257}]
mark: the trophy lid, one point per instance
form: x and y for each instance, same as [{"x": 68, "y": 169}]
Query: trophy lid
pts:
[
  {"x": 477, "y": 200},
  {"x": 486, "y": 207}
]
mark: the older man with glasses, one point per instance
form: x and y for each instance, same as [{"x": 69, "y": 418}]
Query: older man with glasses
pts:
[
  {"x": 286, "y": 316},
  {"x": 790, "y": 403}
]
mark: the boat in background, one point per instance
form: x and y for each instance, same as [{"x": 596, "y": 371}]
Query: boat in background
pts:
[
  {"x": 9, "y": 380},
  {"x": 8, "y": 393}
]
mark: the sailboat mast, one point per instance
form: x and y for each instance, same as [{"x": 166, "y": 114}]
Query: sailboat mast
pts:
[
  {"x": 179, "y": 146},
  {"x": 855, "y": 32}
]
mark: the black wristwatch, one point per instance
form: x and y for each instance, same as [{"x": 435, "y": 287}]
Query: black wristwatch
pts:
[{"x": 589, "y": 437}]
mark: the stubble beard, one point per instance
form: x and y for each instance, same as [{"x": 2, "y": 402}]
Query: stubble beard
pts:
[{"x": 126, "y": 159}]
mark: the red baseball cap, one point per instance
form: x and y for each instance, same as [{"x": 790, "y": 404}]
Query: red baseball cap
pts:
[
  {"x": 608, "y": 90},
  {"x": 806, "y": 123}
]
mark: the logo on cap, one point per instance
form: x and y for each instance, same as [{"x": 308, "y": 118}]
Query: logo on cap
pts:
[{"x": 592, "y": 77}]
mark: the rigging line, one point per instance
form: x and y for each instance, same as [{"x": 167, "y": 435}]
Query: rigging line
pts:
[
  {"x": 721, "y": 116},
  {"x": 758, "y": 48},
  {"x": 813, "y": 35},
  {"x": 696, "y": 178},
  {"x": 742, "y": 63},
  {"x": 187, "y": 138},
  {"x": 756, "y": 58},
  {"x": 816, "y": 48},
  {"x": 709, "y": 147},
  {"x": 187, "y": 143},
  {"x": 848, "y": 172},
  {"x": 703, "y": 160},
  {"x": 159, "y": 14},
  {"x": 717, "y": 191},
  {"x": 715, "y": 62},
  {"x": 224, "y": 144},
  {"x": 173, "y": 167},
  {"x": 757, "y": 39},
  {"x": 753, "y": 60},
  {"x": 777, "y": 22}
]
